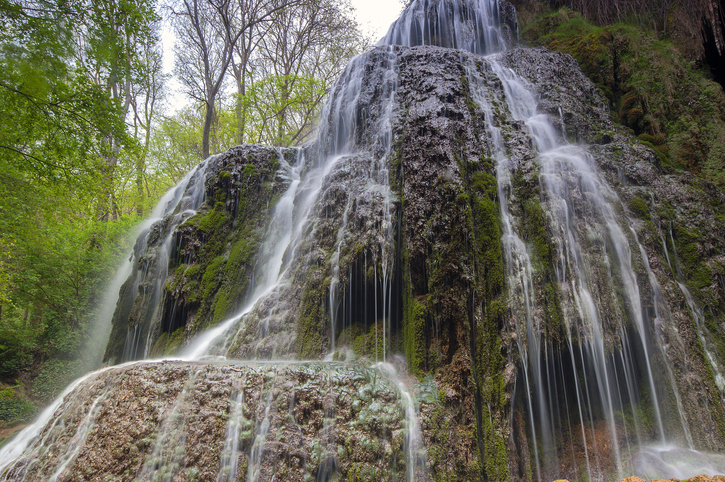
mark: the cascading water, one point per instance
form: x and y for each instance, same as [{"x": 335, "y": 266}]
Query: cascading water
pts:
[
  {"x": 565, "y": 171},
  {"x": 148, "y": 272},
  {"x": 605, "y": 323},
  {"x": 474, "y": 26},
  {"x": 371, "y": 240}
]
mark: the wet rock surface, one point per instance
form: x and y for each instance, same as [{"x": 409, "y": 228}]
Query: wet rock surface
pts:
[
  {"x": 193, "y": 267},
  {"x": 157, "y": 420}
]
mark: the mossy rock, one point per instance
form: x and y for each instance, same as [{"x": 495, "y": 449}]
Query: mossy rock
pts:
[
  {"x": 639, "y": 208},
  {"x": 653, "y": 89}
]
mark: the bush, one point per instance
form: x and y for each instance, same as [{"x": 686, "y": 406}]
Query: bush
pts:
[
  {"x": 17, "y": 340},
  {"x": 13, "y": 408},
  {"x": 54, "y": 376}
]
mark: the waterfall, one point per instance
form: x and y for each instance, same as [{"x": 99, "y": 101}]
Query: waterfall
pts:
[
  {"x": 349, "y": 252},
  {"x": 475, "y": 26},
  {"x": 610, "y": 340}
]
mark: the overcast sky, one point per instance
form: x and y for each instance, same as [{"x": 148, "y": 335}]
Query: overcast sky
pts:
[{"x": 375, "y": 16}]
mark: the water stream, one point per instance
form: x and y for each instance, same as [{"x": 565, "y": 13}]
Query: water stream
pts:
[{"x": 601, "y": 383}]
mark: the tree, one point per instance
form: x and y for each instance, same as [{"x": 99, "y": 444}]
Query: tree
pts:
[
  {"x": 304, "y": 49},
  {"x": 114, "y": 50},
  {"x": 68, "y": 75},
  {"x": 207, "y": 31},
  {"x": 147, "y": 93}
]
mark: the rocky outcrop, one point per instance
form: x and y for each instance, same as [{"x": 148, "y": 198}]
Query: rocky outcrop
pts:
[
  {"x": 557, "y": 290},
  {"x": 419, "y": 266},
  {"x": 193, "y": 267},
  {"x": 198, "y": 421}
]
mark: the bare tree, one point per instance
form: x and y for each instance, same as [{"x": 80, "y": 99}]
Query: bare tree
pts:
[
  {"x": 207, "y": 31},
  {"x": 147, "y": 93},
  {"x": 301, "y": 53}
]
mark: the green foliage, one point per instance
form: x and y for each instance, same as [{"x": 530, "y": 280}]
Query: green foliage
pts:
[
  {"x": 18, "y": 341},
  {"x": 175, "y": 146},
  {"x": 64, "y": 160},
  {"x": 297, "y": 97},
  {"x": 54, "y": 376},
  {"x": 13, "y": 408},
  {"x": 652, "y": 88}
]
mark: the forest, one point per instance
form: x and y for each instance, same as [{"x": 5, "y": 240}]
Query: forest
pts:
[{"x": 92, "y": 138}]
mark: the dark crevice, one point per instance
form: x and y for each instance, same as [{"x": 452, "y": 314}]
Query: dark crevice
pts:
[{"x": 714, "y": 56}]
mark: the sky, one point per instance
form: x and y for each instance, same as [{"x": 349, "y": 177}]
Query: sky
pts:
[{"x": 374, "y": 17}]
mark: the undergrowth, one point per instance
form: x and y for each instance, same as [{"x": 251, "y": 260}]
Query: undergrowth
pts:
[{"x": 668, "y": 102}]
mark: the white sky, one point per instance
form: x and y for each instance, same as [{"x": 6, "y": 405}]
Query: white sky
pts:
[{"x": 374, "y": 17}]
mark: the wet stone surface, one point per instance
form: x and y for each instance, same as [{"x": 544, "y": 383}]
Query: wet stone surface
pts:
[{"x": 169, "y": 421}]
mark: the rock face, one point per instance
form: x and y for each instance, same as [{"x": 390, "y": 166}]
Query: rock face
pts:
[
  {"x": 201, "y": 421},
  {"x": 558, "y": 292},
  {"x": 193, "y": 267}
]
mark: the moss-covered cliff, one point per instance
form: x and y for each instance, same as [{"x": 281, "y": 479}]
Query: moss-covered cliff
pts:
[
  {"x": 666, "y": 99},
  {"x": 546, "y": 250},
  {"x": 208, "y": 256}
]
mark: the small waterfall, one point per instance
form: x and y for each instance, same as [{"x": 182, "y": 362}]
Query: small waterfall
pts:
[
  {"x": 414, "y": 452},
  {"x": 518, "y": 265},
  {"x": 474, "y": 25},
  {"x": 28, "y": 445},
  {"x": 228, "y": 463},
  {"x": 260, "y": 436},
  {"x": 168, "y": 450},
  {"x": 564, "y": 171},
  {"x": 148, "y": 273}
]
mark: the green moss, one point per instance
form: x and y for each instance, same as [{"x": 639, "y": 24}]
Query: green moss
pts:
[
  {"x": 192, "y": 271},
  {"x": 212, "y": 276},
  {"x": 639, "y": 208},
  {"x": 311, "y": 341},
  {"x": 220, "y": 308},
  {"x": 250, "y": 171},
  {"x": 415, "y": 313},
  {"x": 368, "y": 344},
  {"x": 654, "y": 90},
  {"x": 487, "y": 228},
  {"x": 697, "y": 274},
  {"x": 242, "y": 251},
  {"x": 174, "y": 341},
  {"x": 213, "y": 221},
  {"x": 439, "y": 425},
  {"x": 159, "y": 345},
  {"x": 487, "y": 358},
  {"x": 535, "y": 227}
]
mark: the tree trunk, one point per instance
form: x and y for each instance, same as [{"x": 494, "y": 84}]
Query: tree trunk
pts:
[{"x": 208, "y": 121}]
